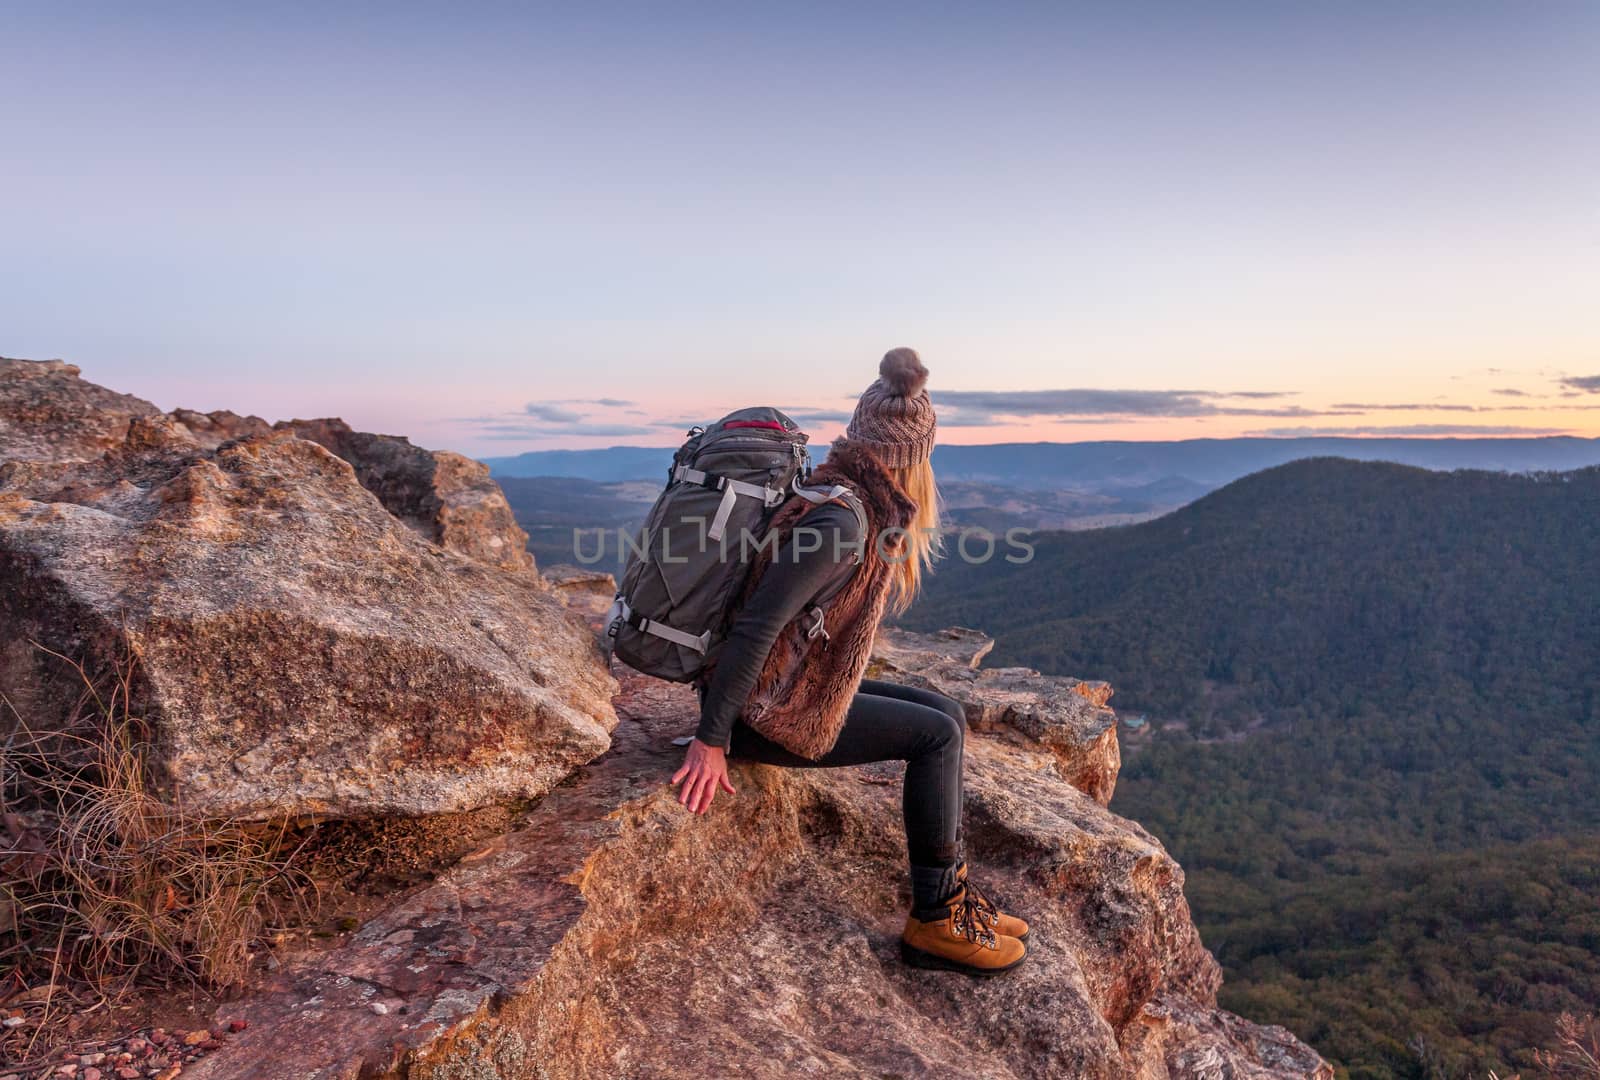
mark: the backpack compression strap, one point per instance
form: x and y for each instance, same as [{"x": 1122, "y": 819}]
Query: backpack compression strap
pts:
[
  {"x": 730, "y": 488},
  {"x": 621, "y": 613}
]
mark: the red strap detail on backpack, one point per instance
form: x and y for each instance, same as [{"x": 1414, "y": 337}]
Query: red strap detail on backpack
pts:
[{"x": 772, "y": 424}]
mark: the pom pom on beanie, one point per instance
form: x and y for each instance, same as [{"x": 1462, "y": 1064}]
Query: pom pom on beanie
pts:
[
  {"x": 894, "y": 418},
  {"x": 902, "y": 372}
]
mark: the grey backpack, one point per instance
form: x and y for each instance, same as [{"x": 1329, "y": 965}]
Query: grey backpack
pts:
[{"x": 685, "y": 569}]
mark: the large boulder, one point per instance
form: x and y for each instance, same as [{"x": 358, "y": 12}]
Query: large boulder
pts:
[
  {"x": 615, "y": 934},
  {"x": 290, "y": 644},
  {"x": 1066, "y": 716},
  {"x": 446, "y": 497},
  {"x": 47, "y": 413}
]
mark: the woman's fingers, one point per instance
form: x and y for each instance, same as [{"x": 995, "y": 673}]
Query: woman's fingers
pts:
[
  {"x": 700, "y": 785},
  {"x": 686, "y": 792}
]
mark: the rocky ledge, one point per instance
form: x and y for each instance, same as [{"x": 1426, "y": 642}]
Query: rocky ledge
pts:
[
  {"x": 614, "y": 934},
  {"x": 302, "y": 637}
]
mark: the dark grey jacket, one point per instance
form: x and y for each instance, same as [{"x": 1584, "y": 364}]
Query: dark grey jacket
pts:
[{"x": 790, "y": 583}]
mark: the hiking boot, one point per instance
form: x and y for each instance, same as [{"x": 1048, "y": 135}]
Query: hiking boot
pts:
[
  {"x": 989, "y": 912},
  {"x": 952, "y": 937}
]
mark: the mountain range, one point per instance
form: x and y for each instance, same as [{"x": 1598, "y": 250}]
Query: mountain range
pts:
[
  {"x": 1370, "y": 729},
  {"x": 1026, "y": 485},
  {"x": 1126, "y": 467}
]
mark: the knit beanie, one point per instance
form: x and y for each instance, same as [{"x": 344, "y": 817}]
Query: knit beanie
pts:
[{"x": 894, "y": 418}]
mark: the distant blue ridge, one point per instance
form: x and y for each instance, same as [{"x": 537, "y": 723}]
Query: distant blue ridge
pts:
[{"x": 1193, "y": 463}]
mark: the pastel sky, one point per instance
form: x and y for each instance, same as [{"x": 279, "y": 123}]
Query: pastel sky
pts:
[{"x": 498, "y": 227}]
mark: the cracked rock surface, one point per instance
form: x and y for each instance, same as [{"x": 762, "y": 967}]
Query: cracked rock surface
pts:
[
  {"x": 614, "y": 934},
  {"x": 294, "y": 646}
]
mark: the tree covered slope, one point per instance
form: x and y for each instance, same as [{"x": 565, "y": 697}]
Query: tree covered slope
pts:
[{"x": 1376, "y": 700}]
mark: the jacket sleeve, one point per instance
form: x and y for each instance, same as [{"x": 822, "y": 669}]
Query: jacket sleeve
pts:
[{"x": 795, "y": 575}]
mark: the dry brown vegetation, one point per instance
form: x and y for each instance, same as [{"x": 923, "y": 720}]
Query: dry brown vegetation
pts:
[
  {"x": 104, "y": 885},
  {"x": 1576, "y": 1054}
]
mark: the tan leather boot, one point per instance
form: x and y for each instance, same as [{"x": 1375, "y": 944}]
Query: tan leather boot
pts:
[
  {"x": 989, "y": 912},
  {"x": 956, "y": 939}
]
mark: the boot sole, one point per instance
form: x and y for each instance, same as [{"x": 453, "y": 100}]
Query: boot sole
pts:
[{"x": 917, "y": 958}]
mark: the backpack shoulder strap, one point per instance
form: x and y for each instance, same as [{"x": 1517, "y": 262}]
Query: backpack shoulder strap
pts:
[
  {"x": 834, "y": 493},
  {"x": 819, "y": 496}
]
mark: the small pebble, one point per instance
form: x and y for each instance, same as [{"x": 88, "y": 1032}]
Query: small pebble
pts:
[
  {"x": 169, "y": 1073},
  {"x": 237, "y": 1025},
  {"x": 126, "y": 1073},
  {"x": 13, "y": 1022},
  {"x": 92, "y": 1073},
  {"x": 211, "y": 1044},
  {"x": 195, "y": 1038},
  {"x": 380, "y": 1008},
  {"x": 91, "y": 1059}
]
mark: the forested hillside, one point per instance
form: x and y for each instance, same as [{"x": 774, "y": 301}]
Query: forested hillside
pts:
[{"x": 1377, "y": 738}]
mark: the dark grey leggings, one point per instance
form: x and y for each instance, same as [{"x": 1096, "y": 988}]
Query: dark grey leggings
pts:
[{"x": 890, "y": 722}]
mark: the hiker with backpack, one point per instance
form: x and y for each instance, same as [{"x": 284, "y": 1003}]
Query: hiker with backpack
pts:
[{"x": 777, "y": 640}]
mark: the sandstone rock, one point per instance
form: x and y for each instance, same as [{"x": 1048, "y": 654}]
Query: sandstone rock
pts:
[
  {"x": 446, "y": 497},
  {"x": 47, "y": 413},
  {"x": 293, "y": 646},
  {"x": 212, "y": 429},
  {"x": 580, "y": 588},
  {"x": 1067, "y": 716},
  {"x": 617, "y": 935}
]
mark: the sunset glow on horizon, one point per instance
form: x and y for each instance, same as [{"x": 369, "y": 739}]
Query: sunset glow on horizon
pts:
[{"x": 504, "y": 228}]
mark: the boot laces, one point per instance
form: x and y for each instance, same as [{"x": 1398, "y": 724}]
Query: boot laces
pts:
[
  {"x": 985, "y": 909},
  {"x": 967, "y": 919}
]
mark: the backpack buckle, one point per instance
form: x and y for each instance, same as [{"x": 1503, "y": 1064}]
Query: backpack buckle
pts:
[{"x": 616, "y": 616}]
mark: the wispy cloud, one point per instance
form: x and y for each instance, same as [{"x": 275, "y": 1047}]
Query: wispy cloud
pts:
[
  {"x": 974, "y": 408},
  {"x": 1511, "y": 392},
  {"x": 546, "y": 410},
  {"x": 1403, "y": 407},
  {"x": 501, "y": 430},
  {"x": 1410, "y": 429},
  {"x": 608, "y": 402},
  {"x": 557, "y": 419},
  {"x": 1589, "y": 384}
]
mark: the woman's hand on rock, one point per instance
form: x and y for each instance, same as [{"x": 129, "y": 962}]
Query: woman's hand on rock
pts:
[{"x": 705, "y": 769}]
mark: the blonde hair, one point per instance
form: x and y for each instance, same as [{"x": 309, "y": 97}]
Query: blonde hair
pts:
[{"x": 924, "y": 542}]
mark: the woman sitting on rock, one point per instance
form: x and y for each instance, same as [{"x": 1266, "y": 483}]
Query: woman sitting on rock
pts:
[{"x": 772, "y": 699}]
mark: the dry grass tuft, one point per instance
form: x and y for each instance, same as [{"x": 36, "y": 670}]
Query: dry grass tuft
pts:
[
  {"x": 1577, "y": 1050},
  {"x": 102, "y": 881},
  {"x": 1576, "y": 1054}
]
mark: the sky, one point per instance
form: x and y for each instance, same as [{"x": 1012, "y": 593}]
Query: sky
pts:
[{"x": 497, "y": 228}]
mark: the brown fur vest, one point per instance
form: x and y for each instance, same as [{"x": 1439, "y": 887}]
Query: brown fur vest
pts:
[{"x": 804, "y": 689}]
